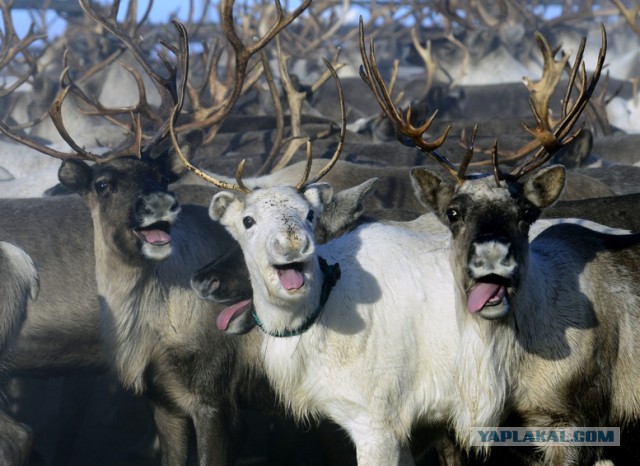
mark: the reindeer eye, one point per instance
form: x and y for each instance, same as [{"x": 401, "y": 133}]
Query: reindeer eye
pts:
[
  {"x": 452, "y": 214},
  {"x": 248, "y": 222},
  {"x": 101, "y": 186},
  {"x": 310, "y": 216}
]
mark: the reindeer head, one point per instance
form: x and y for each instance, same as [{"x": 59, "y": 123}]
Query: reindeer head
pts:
[
  {"x": 490, "y": 225},
  {"x": 275, "y": 227},
  {"x": 129, "y": 202}
]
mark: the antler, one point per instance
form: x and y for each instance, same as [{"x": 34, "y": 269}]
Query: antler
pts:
[
  {"x": 166, "y": 87},
  {"x": 240, "y": 186},
  {"x": 343, "y": 125},
  {"x": 243, "y": 54},
  {"x": 402, "y": 122},
  {"x": 552, "y": 136},
  {"x": 631, "y": 16},
  {"x": 181, "y": 91},
  {"x": 13, "y": 46},
  {"x": 295, "y": 99}
]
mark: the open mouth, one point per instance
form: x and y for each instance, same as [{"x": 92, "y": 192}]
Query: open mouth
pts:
[
  {"x": 156, "y": 234},
  {"x": 486, "y": 292},
  {"x": 290, "y": 275}
]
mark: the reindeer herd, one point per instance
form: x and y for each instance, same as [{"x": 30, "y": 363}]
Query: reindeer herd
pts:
[{"x": 382, "y": 310}]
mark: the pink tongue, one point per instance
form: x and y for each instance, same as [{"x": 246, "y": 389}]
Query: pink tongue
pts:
[
  {"x": 290, "y": 279},
  {"x": 156, "y": 236},
  {"x": 481, "y": 294},
  {"x": 228, "y": 313}
]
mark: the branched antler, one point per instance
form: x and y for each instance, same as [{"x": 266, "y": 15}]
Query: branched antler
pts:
[
  {"x": 12, "y": 46},
  {"x": 295, "y": 99},
  {"x": 401, "y": 121},
  {"x": 240, "y": 186},
  {"x": 552, "y": 136},
  {"x": 243, "y": 53},
  {"x": 166, "y": 86},
  {"x": 630, "y": 15},
  {"x": 549, "y": 135}
]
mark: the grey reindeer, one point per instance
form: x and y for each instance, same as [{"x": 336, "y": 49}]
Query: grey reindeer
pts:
[{"x": 18, "y": 283}]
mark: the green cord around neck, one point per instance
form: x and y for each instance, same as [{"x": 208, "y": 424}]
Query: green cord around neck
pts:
[{"x": 330, "y": 275}]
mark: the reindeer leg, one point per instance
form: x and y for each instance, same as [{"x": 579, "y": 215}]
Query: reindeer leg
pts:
[
  {"x": 173, "y": 431},
  {"x": 212, "y": 436},
  {"x": 376, "y": 445}
]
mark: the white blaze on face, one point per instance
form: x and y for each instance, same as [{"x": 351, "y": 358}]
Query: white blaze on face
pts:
[{"x": 157, "y": 213}]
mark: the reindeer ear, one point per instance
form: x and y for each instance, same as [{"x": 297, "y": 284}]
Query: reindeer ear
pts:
[
  {"x": 343, "y": 212},
  {"x": 75, "y": 175},
  {"x": 220, "y": 204},
  {"x": 351, "y": 201},
  {"x": 431, "y": 190},
  {"x": 318, "y": 194},
  {"x": 544, "y": 188}
]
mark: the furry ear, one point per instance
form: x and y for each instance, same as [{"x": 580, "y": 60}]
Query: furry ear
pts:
[
  {"x": 344, "y": 211},
  {"x": 545, "y": 186},
  {"x": 350, "y": 202},
  {"x": 318, "y": 194},
  {"x": 431, "y": 190},
  {"x": 76, "y": 176},
  {"x": 220, "y": 204}
]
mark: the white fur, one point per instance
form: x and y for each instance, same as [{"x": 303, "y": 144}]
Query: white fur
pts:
[{"x": 379, "y": 359}]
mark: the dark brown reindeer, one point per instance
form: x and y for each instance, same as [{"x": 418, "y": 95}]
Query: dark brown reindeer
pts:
[{"x": 549, "y": 325}]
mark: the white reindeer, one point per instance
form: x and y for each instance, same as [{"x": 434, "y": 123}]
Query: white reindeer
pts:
[{"x": 352, "y": 330}]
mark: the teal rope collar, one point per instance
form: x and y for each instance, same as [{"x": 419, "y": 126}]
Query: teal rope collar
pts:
[{"x": 330, "y": 275}]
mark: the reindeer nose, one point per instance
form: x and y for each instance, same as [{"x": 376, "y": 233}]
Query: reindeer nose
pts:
[
  {"x": 491, "y": 257},
  {"x": 292, "y": 247},
  {"x": 156, "y": 203}
]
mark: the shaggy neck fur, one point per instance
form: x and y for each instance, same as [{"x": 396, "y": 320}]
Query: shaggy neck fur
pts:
[
  {"x": 125, "y": 293},
  {"x": 483, "y": 374},
  {"x": 150, "y": 306},
  {"x": 557, "y": 359}
]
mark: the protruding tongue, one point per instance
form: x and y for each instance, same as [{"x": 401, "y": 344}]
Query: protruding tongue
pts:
[
  {"x": 290, "y": 278},
  {"x": 155, "y": 236},
  {"x": 228, "y": 313},
  {"x": 481, "y": 293}
]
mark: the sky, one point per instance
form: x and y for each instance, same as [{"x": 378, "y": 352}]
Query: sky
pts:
[{"x": 161, "y": 11}]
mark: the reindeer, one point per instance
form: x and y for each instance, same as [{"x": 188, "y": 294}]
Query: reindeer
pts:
[
  {"x": 18, "y": 283},
  {"x": 325, "y": 318},
  {"x": 547, "y": 326}
]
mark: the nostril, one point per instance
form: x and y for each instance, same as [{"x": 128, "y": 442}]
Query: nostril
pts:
[
  {"x": 306, "y": 245},
  {"x": 214, "y": 284}
]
